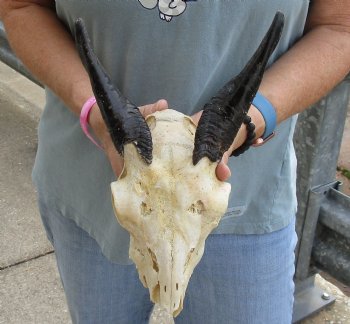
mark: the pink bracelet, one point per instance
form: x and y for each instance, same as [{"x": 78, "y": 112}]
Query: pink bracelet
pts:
[{"x": 84, "y": 116}]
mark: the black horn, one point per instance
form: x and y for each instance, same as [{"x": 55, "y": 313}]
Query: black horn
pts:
[
  {"x": 123, "y": 119},
  {"x": 224, "y": 113}
]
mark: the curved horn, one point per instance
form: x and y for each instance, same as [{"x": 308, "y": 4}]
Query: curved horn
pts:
[
  {"x": 123, "y": 119},
  {"x": 223, "y": 115}
]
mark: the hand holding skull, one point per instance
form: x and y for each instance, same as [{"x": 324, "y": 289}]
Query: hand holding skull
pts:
[
  {"x": 222, "y": 171},
  {"x": 100, "y": 130},
  {"x": 168, "y": 196}
]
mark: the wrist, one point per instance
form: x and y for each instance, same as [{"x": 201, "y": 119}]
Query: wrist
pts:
[
  {"x": 95, "y": 119},
  {"x": 259, "y": 128},
  {"x": 79, "y": 93},
  {"x": 268, "y": 112},
  {"x": 258, "y": 120},
  {"x": 98, "y": 125},
  {"x": 92, "y": 124}
]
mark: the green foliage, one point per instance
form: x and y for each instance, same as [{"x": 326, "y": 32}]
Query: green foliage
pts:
[{"x": 345, "y": 172}]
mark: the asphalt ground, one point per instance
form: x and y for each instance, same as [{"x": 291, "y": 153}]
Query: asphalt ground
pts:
[{"x": 30, "y": 288}]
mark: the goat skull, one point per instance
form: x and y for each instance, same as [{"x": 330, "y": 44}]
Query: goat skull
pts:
[
  {"x": 168, "y": 196},
  {"x": 169, "y": 207}
]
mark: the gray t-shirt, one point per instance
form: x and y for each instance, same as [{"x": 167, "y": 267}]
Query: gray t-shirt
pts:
[{"x": 185, "y": 59}]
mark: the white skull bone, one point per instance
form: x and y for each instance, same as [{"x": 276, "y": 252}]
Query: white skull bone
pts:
[{"x": 169, "y": 207}]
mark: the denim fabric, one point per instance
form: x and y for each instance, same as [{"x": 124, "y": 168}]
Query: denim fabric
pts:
[
  {"x": 97, "y": 291},
  {"x": 241, "y": 279}
]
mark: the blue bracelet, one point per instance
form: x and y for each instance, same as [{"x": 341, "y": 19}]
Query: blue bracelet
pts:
[{"x": 268, "y": 112}]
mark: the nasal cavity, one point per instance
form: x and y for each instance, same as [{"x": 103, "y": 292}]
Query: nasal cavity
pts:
[
  {"x": 145, "y": 209},
  {"x": 156, "y": 292},
  {"x": 197, "y": 207},
  {"x": 154, "y": 260}
]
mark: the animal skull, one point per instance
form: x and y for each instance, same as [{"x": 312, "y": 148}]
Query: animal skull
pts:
[
  {"x": 169, "y": 207},
  {"x": 168, "y": 196}
]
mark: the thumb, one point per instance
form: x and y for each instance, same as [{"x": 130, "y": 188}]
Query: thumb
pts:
[{"x": 223, "y": 172}]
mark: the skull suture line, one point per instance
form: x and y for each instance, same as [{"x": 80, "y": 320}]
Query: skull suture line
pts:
[{"x": 168, "y": 196}]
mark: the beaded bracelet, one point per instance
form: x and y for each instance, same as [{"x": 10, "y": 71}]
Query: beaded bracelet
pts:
[{"x": 250, "y": 137}]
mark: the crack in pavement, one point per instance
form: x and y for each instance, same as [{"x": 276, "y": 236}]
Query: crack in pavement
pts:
[{"x": 26, "y": 260}]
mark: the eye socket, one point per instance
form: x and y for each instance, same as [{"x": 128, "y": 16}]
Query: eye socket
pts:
[{"x": 197, "y": 207}]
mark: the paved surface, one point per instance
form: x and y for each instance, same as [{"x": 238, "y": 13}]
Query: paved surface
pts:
[
  {"x": 18, "y": 147},
  {"x": 30, "y": 289}
]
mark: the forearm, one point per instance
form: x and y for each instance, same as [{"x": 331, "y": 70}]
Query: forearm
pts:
[
  {"x": 308, "y": 71},
  {"x": 50, "y": 53}
]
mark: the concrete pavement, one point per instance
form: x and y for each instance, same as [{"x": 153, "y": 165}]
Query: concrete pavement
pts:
[{"x": 30, "y": 289}]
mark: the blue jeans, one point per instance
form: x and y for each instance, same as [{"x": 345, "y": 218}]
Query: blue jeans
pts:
[{"x": 241, "y": 279}]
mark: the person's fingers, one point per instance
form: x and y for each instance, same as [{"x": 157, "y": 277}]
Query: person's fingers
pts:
[
  {"x": 196, "y": 117},
  {"x": 146, "y": 110},
  {"x": 162, "y": 104},
  {"x": 117, "y": 162},
  {"x": 225, "y": 158},
  {"x": 222, "y": 171}
]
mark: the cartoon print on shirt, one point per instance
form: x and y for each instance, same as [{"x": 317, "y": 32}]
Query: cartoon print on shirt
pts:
[{"x": 167, "y": 8}]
